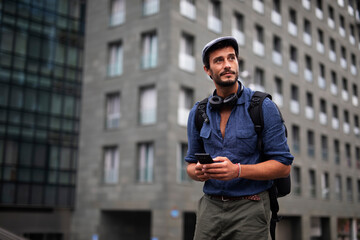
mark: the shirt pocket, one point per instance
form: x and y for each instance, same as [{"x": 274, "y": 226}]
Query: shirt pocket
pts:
[
  {"x": 246, "y": 141},
  {"x": 205, "y": 135}
]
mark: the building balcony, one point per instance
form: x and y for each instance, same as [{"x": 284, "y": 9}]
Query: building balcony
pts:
[
  {"x": 345, "y": 95},
  {"x": 346, "y": 128},
  {"x": 319, "y": 13},
  {"x": 293, "y": 67},
  {"x": 294, "y": 106},
  {"x": 343, "y": 63},
  {"x": 277, "y": 58},
  {"x": 322, "y": 118},
  {"x": 214, "y": 24},
  {"x": 353, "y": 70},
  {"x": 341, "y": 3},
  {"x": 333, "y": 89},
  {"x": 335, "y": 123},
  {"x": 278, "y": 99},
  {"x": 308, "y": 75},
  {"x": 257, "y": 87},
  {"x": 292, "y": 29},
  {"x": 306, "y": 4},
  {"x": 320, "y": 47},
  {"x": 351, "y": 10},
  {"x": 307, "y": 39},
  {"x": 258, "y": 48},
  {"x": 342, "y": 32},
  {"x": 183, "y": 115},
  {"x": 187, "y": 62},
  {"x": 309, "y": 112},
  {"x": 276, "y": 18},
  {"x": 239, "y": 36},
  {"x": 332, "y": 56},
  {"x": 331, "y": 23},
  {"x": 355, "y": 101},
  {"x": 258, "y": 6},
  {"x": 321, "y": 82},
  {"x": 188, "y": 10}
]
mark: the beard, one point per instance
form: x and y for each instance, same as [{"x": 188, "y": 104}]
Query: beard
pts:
[{"x": 227, "y": 82}]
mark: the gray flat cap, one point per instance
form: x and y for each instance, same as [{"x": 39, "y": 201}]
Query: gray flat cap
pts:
[{"x": 231, "y": 40}]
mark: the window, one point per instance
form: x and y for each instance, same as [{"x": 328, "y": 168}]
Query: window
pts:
[
  {"x": 331, "y": 17},
  {"x": 346, "y": 123},
  {"x": 348, "y": 154},
  {"x": 182, "y": 173},
  {"x": 352, "y": 34},
  {"x": 293, "y": 64},
  {"x": 292, "y": 24},
  {"x": 307, "y": 38},
  {"x": 149, "y": 50},
  {"x": 238, "y": 28},
  {"x": 342, "y": 31},
  {"x": 112, "y": 110},
  {"x": 333, "y": 87},
  {"x": 117, "y": 12},
  {"x": 312, "y": 180},
  {"x": 115, "y": 60},
  {"x": 351, "y": 7},
  {"x": 296, "y": 139},
  {"x": 258, "y": 44},
  {"x": 259, "y": 80},
  {"x": 188, "y": 9},
  {"x": 308, "y": 73},
  {"x": 297, "y": 181},
  {"x": 356, "y": 125},
  {"x": 349, "y": 189},
  {"x": 322, "y": 114},
  {"x": 278, "y": 94},
  {"x": 355, "y": 99},
  {"x": 353, "y": 65},
  {"x": 306, "y": 4},
  {"x": 338, "y": 187},
  {"x": 150, "y": 7},
  {"x": 276, "y": 12},
  {"x": 343, "y": 62},
  {"x": 294, "y": 102},
  {"x": 335, "y": 117},
  {"x": 319, "y": 9},
  {"x": 309, "y": 109},
  {"x": 324, "y": 148},
  {"x": 186, "y": 100},
  {"x": 320, "y": 43},
  {"x": 111, "y": 165},
  {"x": 332, "y": 50},
  {"x": 358, "y": 191},
  {"x": 277, "y": 49},
  {"x": 337, "y": 152},
  {"x": 357, "y": 157},
  {"x": 311, "y": 143},
  {"x": 148, "y": 105},
  {"x": 187, "y": 53},
  {"x": 214, "y": 16},
  {"x": 145, "y": 162},
  {"x": 345, "y": 92},
  {"x": 325, "y": 186},
  {"x": 321, "y": 77}
]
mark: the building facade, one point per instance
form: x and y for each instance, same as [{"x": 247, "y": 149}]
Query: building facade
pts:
[
  {"x": 142, "y": 75},
  {"x": 41, "y": 50}
]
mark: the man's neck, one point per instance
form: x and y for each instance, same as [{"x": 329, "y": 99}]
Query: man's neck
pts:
[{"x": 226, "y": 91}]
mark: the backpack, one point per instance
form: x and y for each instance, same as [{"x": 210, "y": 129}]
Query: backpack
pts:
[{"x": 281, "y": 186}]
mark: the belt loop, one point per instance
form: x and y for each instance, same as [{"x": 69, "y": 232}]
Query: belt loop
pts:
[{"x": 224, "y": 199}]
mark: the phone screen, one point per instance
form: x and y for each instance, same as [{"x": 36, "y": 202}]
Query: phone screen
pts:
[{"x": 204, "y": 158}]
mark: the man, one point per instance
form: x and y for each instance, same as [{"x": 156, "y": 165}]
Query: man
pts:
[{"x": 235, "y": 204}]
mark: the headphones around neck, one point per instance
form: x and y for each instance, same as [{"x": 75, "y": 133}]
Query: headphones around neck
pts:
[{"x": 217, "y": 102}]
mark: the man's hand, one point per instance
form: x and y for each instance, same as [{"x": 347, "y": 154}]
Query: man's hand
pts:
[{"x": 223, "y": 169}]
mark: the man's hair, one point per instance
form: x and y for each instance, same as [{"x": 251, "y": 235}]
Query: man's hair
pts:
[{"x": 215, "y": 47}]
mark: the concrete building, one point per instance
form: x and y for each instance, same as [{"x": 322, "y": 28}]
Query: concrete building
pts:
[
  {"x": 41, "y": 49},
  {"x": 143, "y": 73}
]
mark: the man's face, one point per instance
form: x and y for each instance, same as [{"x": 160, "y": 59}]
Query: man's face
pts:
[{"x": 223, "y": 66}]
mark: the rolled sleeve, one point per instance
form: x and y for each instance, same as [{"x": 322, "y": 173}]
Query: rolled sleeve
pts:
[
  {"x": 274, "y": 137},
  {"x": 195, "y": 144}
]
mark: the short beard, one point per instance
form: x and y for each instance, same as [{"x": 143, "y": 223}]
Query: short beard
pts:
[{"x": 227, "y": 83}]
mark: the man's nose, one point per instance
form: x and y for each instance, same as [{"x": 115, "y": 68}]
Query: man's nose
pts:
[{"x": 227, "y": 64}]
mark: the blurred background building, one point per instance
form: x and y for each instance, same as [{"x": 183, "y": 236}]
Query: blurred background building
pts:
[{"x": 140, "y": 72}]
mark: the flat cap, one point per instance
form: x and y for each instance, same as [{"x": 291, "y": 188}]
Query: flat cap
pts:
[{"x": 231, "y": 40}]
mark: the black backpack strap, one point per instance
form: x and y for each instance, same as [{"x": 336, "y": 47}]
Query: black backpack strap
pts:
[
  {"x": 200, "y": 114},
  {"x": 256, "y": 114}
]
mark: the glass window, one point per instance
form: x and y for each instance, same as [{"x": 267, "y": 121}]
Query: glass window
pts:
[
  {"x": 312, "y": 187},
  {"x": 69, "y": 102},
  {"x": 146, "y": 162},
  {"x": 185, "y": 105},
  {"x": 149, "y": 50},
  {"x": 115, "y": 59},
  {"x": 325, "y": 186},
  {"x": 34, "y": 46},
  {"x": 148, "y": 105},
  {"x": 113, "y": 113},
  {"x": 150, "y": 7},
  {"x": 117, "y": 12},
  {"x": 7, "y": 39},
  {"x": 43, "y": 101},
  {"x": 182, "y": 173},
  {"x": 26, "y": 154},
  {"x": 30, "y": 99},
  {"x": 56, "y": 103},
  {"x": 111, "y": 165}
]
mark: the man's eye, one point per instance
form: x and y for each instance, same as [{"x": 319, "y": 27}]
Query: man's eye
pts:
[{"x": 218, "y": 60}]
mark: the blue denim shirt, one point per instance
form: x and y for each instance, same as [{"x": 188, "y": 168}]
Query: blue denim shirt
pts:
[{"x": 239, "y": 144}]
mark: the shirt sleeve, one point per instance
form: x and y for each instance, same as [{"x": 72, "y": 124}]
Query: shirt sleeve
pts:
[
  {"x": 195, "y": 143},
  {"x": 274, "y": 137}
]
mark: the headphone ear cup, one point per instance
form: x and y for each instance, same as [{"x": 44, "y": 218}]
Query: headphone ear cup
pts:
[{"x": 216, "y": 102}]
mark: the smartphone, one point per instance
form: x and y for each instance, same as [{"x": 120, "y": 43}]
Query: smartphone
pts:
[{"x": 204, "y": 158}]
